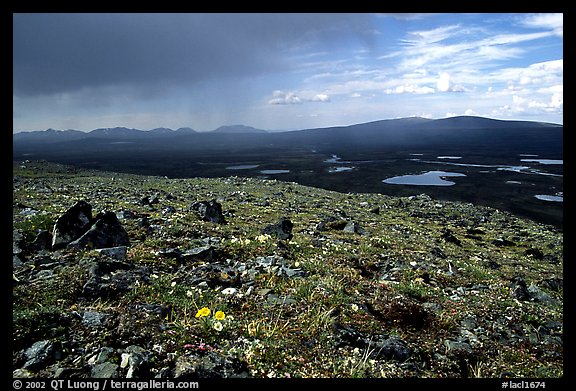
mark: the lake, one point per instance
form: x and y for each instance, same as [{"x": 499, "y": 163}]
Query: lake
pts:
[{"x": 430, "y": 178}]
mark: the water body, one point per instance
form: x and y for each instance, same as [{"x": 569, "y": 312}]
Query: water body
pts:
[
  {"x": 553, "y": 198},
  {"x": 430, "y": 178},
  {"x": 243, "y": 167},
  {"x": 519, "y": 169},
  {"x": 340, "y": 169},
  {"x": 449, "y": 157},
  {"x": 543, "y": 161},
  {"x": 272, "y": 172}
]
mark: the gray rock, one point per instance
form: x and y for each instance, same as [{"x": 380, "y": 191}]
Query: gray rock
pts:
[
  {"x": 105, "y": 370},
  {"x": 118, "y": 253},
  {"x": 107, "y": 279},
  {"x": 136, "y": 360},
  {"x": 519, "y": 289},
  {"x": 94, "y": 319},
  {"x": 353, "y": 227},
  {"x": 39, "y": 355},
  {"x": 457, "y": 347}
]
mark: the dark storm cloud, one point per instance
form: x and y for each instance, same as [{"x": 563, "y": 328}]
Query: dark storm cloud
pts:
[{"x": 55, "y": 53}]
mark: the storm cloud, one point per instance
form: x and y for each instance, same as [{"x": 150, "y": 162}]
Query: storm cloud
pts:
[{"x": 55, "y": 53}]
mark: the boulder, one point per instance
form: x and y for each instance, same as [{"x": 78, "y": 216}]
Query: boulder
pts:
[
  {"x": 282, "y": 229},
  {"x": 104, "y": 233},
  {"x": 72, "y": 224},
  {"x": 209, "y": 211}
]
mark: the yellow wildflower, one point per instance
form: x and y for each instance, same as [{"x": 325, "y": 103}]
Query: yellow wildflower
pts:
[
  {"x": 205, "y": 311},
  {"x": 219, "y": 315}
]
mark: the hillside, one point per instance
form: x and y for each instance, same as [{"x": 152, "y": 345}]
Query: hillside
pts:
[{"x": 247, "y": 277}]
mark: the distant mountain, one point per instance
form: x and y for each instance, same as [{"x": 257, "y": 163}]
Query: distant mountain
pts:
[
  {"x": 185, "y": 131},
  {"x": 238, "y": 129},
  {"x": 119, "y": 132},
  {"x": 465, "y": 131},
  {"x": 49, "y": 135}
]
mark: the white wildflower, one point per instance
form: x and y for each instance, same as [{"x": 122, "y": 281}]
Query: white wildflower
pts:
[{"x": 229, "y": 291}]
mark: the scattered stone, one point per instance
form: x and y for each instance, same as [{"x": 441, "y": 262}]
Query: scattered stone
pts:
[
  {"x": 534, "y": 252},
  {"x": 209, "y": 211},
  {"x": 353, "y": 227},
  {"x": 456, "y": 347},
  {"x": 501, "y": 242},
  {"x": 282, "y": 230},
  {"x": 449, "y": 237},
  {"x": 94, "y": 319},
  {"x": 106, "y": 370},
  {"x": 117, "y": 253},
  {"x": 519, "y": 289},
  {"x": 209, "y": 366},
  {"x": 108, "y": 278}
]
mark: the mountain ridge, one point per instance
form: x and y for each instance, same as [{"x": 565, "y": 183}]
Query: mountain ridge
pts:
[{"x": 124, "y": 132}]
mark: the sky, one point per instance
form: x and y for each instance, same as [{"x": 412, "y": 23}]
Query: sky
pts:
[{"x": 281, "y": 71}]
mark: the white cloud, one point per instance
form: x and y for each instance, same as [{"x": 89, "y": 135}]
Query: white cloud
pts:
[
  {"x": 320, "y": 98},
  {"x": 280, "y": 97},
  {"x": 550, "y": 21},
  {"x": 444, "y": 84},
  {"x": 284, "y": 98},
  {"x": 410, "y": 89}
]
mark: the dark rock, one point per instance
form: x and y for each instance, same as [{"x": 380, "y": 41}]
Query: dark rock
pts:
[
  {"x": 160, "y": 310},
  {"x": 392, "y": 348},
  {"x": 437, "y": 252},
  {"x": 457, "y": 348},
  {"x": 554, "y": 284},
  {"x": 107, "y": 279},
  {"x": 331, "y": 223},
  {"x": 535, "y": 253},
  {"x": 105, "y": 232},
  {"x": 209, "y": 211},
  {"x": 42, "y": 241},
  {"x": 282, "y": 230},
  {"x": 118, "y": 253},
  {"x": 198, "y": 254},
  {"x": 209, "y": 365},
  {"x": 17, "y": 242},
  {"x": 475, "y": 231},
  {"x": 40, "y": 355},
  {"x": 519, "y": 289},
  {"x": 449, "y": 237},
  {"x": 382, "y": 346},
  {"x": 501, "y": 242},
  {"x": 492, "y": 264},
  {"x": 72, "y": 224},
  {"x": 94, "y": 319},
  {"x": 347, "y": 335}
]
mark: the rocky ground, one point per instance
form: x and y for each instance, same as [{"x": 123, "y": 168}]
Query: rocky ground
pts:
[{"x": 126, "y": 276}]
